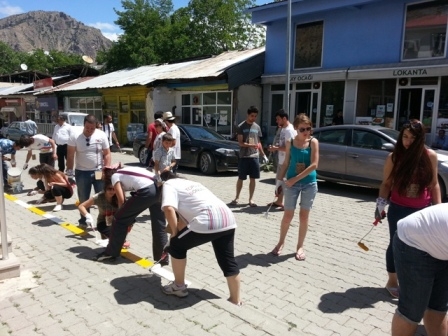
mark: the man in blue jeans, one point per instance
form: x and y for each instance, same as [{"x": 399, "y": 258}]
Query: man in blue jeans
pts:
[
  {"x": 92, "y": 153},
  {"x": 421, "y": 261}
]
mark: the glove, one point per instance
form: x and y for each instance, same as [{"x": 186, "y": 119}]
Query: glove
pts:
[
  {"x": 278, "y": 187},
  {"x": 379, "y": 211},
  {"x": 70, "y": 177},
  {"x": 25, "y": 166},
  {"x": 32, "y": 193},
  {"x": 265, "y": 159},
  {"x": 13, "y": 163},
  {"x": 89, "y": 220}
]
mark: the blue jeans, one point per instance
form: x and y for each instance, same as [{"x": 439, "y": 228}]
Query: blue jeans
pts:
[
  {"x": 395, "y": 213},
  {"x": 85, "y": 179},
  {"x": 423, "y": 282}
]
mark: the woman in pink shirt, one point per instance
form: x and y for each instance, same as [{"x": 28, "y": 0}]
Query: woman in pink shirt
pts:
[{"x": 410, "y": 179}]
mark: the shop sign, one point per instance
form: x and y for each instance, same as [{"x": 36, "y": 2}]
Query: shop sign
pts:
[
  {"x": 43, "y": 83},
  {"x": 47, "y": 104},
  {"x": 301, "y": 78},
  {"x": 12, "y": 102},
  {"x": 410, "y": 72}
]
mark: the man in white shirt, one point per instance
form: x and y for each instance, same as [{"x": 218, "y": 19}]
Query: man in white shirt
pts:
[
  {"x": 169, "y": 119},
  {"x": 421, "y": 260},
  {"x": 44, "y": 144},
  {"x": 92, "y": 152},
  {"x": 61, "y": 134},
  {"x": 286, "y": 134},
  {"x": 109, "y": 129}
]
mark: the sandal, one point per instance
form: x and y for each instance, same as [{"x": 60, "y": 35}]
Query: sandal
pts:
[
  {"x": 234, "y": 202},
  {"x": 393, "y": 291},
  {"x": 252, "y": 205},
  {"x": 277, "y": 251},
  {"x": 300, "y": 256}
]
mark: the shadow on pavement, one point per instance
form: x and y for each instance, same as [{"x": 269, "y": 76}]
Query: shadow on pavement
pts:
[
  {"x": 141, "y": 288},
  {"x": 262, "y": 259},
  {"x": 44, "y": 223},
  {"x": 360, "y": 297},
  {"x": 87, "y": 253}
]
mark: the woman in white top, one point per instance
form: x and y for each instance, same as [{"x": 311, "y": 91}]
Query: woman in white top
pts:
[
  {"x": 144, "y": 195},
  {"x": 203, "y": 218}
]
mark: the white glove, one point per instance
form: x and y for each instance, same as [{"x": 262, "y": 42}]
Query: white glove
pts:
[
  {"x": 13, "y": 163},
  {"x": 32, "y": 193},
  {"x": 278, "y": 187},
  {"x": 25, "y": 166},
  {"x": 89, "y": 219},
  {"x": 380, "y": 206},
  {"x": 265, "y": 159}
]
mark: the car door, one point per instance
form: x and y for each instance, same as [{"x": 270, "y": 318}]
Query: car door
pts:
[
  {"x": 187, "y": 154},
  {"x": 332, "y": 148},
  {"x": 365, "y": 158}
]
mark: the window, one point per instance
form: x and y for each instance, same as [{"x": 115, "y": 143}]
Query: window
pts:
[
  {"x": 334, "y": 136},
  {"x": 89, "y": 105},
  {"x": 209, "y": 109},
  {"x": 308, "y": 52},
  {"x": 363, "y": 139},
  {"x": 425, "y": 30}
]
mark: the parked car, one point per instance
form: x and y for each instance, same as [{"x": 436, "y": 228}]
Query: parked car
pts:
[
  {"x": 15, "y": 130},
  {"x": 356, "y": 154},
  {"x": 201, "y": 147}
]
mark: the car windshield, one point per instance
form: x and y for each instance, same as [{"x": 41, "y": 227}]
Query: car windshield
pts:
[
  {"x": 76, "y": 120},
  {"x": 199, "y": 133},
  {"x": 390, "y": 133}
]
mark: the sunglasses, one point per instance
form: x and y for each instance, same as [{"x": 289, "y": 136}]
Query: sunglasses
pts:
[
  {"x": 303, "y": 129},
  {"x": 87, "y": 142},
  {"x": 413, "y": 125}
]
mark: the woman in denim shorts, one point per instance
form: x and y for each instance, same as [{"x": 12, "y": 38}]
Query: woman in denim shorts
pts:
[{"x": 302, "y": 158}]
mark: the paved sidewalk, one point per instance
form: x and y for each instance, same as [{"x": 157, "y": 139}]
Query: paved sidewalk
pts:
[{"x": 338, "y": 290}]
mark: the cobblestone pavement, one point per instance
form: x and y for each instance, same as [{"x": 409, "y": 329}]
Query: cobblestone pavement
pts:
[{"x": 338, "y": 290}]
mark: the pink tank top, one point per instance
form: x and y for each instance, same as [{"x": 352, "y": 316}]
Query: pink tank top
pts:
[{"x": 411, "y": 199}]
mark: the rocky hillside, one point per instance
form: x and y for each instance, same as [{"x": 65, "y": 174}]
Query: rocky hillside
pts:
[{"x": 51, "y": 31}]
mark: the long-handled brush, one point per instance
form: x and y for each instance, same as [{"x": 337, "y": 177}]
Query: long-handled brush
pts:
[{"x": 375, "y": 223}]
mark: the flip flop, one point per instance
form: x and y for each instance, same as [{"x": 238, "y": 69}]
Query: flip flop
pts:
[
  {"x": 393, "y": 291},
  {"x": 276, "y": 251},
  {"x": 234, "y": 202},
  {"x": 300, "y": 256},
  {"x": 253, "y": 205}
]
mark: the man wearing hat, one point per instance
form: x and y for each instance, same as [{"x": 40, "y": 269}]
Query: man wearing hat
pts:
[
  {"x": 169, "y": 119},
  {"x": 61, "y": 134}
]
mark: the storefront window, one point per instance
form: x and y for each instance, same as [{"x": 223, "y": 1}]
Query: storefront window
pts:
[
  {"x": 375, "y": 102},
  {"x": 332, "y": 100},
  {"x": 425, "y": 34},
  {"x": 443, "y": 101},
  {"x": 89, "y": 105},
  {"x": 308, "y": 48},
  {"x": 209, "y": 109},
  {"x": 276, "y": 104}
]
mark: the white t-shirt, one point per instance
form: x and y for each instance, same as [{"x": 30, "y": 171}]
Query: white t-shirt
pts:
[
  {"x": 427, "y": 230},
  {"x": 131, "y": 182},
  {"x": 175, "y": 132},
  {"x": 158, "y": 141},
  {"x": 61, "y": 134},
  {"x": 201, "y": 209},
  {"x": 89, "y": 157},
  {"x": 286, "y": 134},
  {"x": 109, "y": 129},
  {"x": 42, "y": 143}
]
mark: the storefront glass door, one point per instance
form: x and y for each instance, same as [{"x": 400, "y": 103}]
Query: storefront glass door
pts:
[{"x": 306, "y": 102}]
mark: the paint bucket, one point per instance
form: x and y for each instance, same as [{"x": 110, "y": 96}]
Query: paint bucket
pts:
[{"x": 14, "y": 175}]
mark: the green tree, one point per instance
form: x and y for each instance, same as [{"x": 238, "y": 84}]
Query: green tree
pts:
[{"x": 10, "y": 61}]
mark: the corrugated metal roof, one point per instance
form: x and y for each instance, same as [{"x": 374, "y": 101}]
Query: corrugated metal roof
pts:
[
  {"x": 14, "y": 89},
  {"x": 209, "y": 67},
  {"x": 65, "y": 85}
]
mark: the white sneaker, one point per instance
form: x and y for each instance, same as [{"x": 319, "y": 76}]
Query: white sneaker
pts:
[
  {"x": 173, "y": 289},
  {"x": 32, "y": 193},
  {"x": 57, "y": 208}
]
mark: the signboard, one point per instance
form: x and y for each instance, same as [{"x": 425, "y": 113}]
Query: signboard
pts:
[
  {"x": 47, "y": 104},
  {"x": 43, "y": 84}
]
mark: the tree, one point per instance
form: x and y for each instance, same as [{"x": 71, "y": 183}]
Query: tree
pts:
[
  {"x": 10, "y": 59},
  {"x": 154, "y": 34},
  {"x": 44, "y": 61}
]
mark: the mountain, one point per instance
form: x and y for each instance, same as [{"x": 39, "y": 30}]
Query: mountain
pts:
[{"x": 51, "y": 31}]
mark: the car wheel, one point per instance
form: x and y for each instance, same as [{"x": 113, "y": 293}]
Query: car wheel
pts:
[
  {"x": 442, "y": 188},
  {"x": 207, "y": 163},
  {"x": 142, "y": 153}
]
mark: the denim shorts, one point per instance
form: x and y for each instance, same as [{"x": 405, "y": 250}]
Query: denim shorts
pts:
[
  {"x": 291, "y": 195},
  {"x": 423, "y": 282}
]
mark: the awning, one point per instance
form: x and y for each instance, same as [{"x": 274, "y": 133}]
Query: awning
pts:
[{"x": 8, "y": 109}]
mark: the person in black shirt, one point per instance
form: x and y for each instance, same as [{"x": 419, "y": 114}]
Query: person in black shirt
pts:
[{"x": 338, "y": 119}]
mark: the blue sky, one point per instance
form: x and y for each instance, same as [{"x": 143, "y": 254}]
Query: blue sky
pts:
[{"x": 96, "y": 13}]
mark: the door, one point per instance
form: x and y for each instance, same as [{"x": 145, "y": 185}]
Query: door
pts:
[
  {"x": 123, "y": 127},
  {"x": 409, "y": 106},
  {"x": 306, "y": 102}
]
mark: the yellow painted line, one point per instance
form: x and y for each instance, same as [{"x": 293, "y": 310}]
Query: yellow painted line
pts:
[{"x": 145, "y": 263}]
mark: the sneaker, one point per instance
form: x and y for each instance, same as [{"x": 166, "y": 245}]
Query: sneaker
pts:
[
  {"x": 57, "y": 208},
  {"x": 104, "y": 257},
  {"x": 173, "y": 289},
  {"x": 32, "y": 193}
]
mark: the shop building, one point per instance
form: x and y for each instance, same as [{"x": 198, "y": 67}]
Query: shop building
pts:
[{"x": 379, "y": 61}]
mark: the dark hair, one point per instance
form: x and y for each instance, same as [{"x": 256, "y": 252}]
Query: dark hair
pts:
[
  {"x": 158, "y": 115},
  {"x": 302, "y": 118},
  {"x": 45, "y": 170},
  {"x": 411, "y": 165},
  {"x": 167, "y": 137},
  {"x": 91, "y": 119},
  {"x": 168, "y": 175},
  {"x": 24, "y": 141},
  {"x": 114, "y": 200},
  {"x": 107, "y": 116},
  {"x": 62, "y": 117},
  {"x": 99, "y": 125},
  {"x": 282, "y": 114},
  {"x": 252, "y": 109}
]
